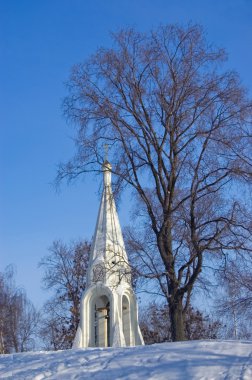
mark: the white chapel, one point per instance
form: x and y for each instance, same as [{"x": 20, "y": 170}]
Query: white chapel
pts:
[{"x": 108, "y": 310}]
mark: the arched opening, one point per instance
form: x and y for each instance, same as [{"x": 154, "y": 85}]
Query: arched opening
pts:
[
  {"x": 102, "y": 322},
  {"x": 126, "y": 319}
]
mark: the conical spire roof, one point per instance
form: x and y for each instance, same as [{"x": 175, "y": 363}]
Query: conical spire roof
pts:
[{"x": 108, "y": 250}]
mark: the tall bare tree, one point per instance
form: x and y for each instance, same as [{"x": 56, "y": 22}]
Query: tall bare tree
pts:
[{"x": 178, "y": 126}]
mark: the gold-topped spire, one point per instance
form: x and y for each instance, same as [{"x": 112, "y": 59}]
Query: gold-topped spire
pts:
[{"x": 108, "y": 313}]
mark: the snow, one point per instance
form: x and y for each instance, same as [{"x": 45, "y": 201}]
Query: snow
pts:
[{"x": 199, "y": 360}]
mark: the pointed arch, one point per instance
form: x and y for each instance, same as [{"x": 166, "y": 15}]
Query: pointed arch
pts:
[{"x": 126, "y": 323}]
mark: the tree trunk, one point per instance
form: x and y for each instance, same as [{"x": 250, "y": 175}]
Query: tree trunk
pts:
[
  {"x": 177, "y": 319},
  {"x": 175, "y": 298}
]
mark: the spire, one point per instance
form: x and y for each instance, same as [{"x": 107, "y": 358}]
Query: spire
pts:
[
  {"x": 108, "y": 312},
  {"x": 108, "y": 248}
]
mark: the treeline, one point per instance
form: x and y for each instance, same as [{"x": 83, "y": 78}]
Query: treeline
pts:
[{"x": 23, "y": 328}]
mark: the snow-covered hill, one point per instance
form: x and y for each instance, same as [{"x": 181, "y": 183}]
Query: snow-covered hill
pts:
[{"x": 168, "y": 361}]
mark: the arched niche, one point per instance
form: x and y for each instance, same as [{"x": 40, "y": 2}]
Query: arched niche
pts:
[
  {"x": 126, "y": 319},
  {"x": 101, "y": 319}
]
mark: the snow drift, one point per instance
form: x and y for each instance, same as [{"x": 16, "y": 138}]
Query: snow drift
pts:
[{"x": 199, "y": 360}]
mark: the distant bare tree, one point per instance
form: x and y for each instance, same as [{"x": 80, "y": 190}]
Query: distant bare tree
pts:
[
  {"x": 234, "y": 302},
  {"x": 65, "y": 275},
  {"x": 179, "y": 131},
  {"x": 18, "y": 317}
]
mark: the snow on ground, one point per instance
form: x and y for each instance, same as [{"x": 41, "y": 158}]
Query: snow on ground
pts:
[{"x": 199, "y": 360}]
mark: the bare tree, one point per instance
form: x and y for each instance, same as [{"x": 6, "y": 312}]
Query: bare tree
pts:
[
  {"x": 234, "y": 302},
  {"x": 18, "y": 317},
  {"x": 65, "y": 275},
  {"x": 178, "y": 127}
]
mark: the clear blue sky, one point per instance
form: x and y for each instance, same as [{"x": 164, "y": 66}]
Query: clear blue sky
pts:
[{"x": 39, "y": 42}]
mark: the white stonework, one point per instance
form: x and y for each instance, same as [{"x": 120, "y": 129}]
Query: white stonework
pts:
[{"x": 108, "y": 312}]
